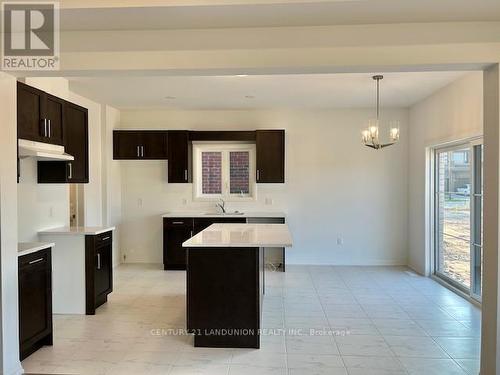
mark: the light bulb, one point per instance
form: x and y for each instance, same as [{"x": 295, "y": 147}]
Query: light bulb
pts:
[
  {"x": 394, "y": 134},
  {"x": 373, "y": 129},
  {"x": 365, "y": 136}
]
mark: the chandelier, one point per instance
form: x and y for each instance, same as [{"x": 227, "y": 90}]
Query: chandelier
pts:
[{"x": 370, "y": 136}]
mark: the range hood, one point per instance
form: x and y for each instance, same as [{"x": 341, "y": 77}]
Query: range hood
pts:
[{"x": 42, "y": 151}]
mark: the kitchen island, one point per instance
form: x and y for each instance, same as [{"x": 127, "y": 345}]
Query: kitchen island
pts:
[{"x": 225, "y": 282}]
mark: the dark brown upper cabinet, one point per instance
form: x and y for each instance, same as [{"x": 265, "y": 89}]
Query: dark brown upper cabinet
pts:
[
  {"x": 29, "y": 113},
  {"x": 39, "y": 115},
  {"x": 179, "y": 156},
  {"x": 76, "y": 143},
  {"x": 54, "y": 113},
  {"x": 270, "y": 156},
  {"x": 137, "y": 145}
]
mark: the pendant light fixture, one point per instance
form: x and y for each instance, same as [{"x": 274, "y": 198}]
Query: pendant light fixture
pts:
[{"x": 370, "y": 136}]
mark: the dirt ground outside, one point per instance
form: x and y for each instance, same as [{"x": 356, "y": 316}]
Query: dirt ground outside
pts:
[{"x": 456, "y": 239}]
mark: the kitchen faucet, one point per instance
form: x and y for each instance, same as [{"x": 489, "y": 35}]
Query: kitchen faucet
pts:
[{"x": 222, "y": 206}]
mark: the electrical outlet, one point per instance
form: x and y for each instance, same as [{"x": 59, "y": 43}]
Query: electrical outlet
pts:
[
  {"x": 269, "y": 201},
  {"x": 139, "y": 202},
  {"x": 124, "y": 257},
  {"x": 51, "y": 211},
  {"x": 184, "y": 201},
  {"x": 340, "y": 241}
]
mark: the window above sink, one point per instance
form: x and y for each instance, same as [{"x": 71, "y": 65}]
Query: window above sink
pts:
[{"x": 224, "y": 170}]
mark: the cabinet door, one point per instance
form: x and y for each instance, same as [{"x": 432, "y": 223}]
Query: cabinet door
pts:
[
  {"x": 126, "y": 144},
  {"x": 203, "y": 223},
  {"x": 178, "y": 157},
  {"x": 174, "y": 234},
  {"x": 76, "y": 142},
  {"x": 30, "y": 125},
  {"x": 154, "y": 145},
  {"x": 76, "y": 138},
  {"x": 270, "y": 156},
  {"x": 54, "y": 112},
  {"x": 35, "y": 300},
  {"x": 103, "y": 283}
]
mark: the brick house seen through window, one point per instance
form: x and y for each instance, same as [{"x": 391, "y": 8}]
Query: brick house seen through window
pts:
[{"x": 224, "y": 170}]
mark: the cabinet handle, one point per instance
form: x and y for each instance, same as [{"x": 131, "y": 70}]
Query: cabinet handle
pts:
[
  {"x": 185, "y": 174},
  {"x": 142, "y": 151},
  {"x": 45, "y": 127},
  {"x": 138, "y": 152},
  {"x": 98, "y": 261},
  {"x": 50, "y": 129},
  {"x": 106, "y": 238},
  {"x": 36, "y": 261},
  {"x": 191, "y": 233},
  {"x": 258, "y": 174},
  {"x": 70, "y": 172},
  {"x": 177, "y": 222}
]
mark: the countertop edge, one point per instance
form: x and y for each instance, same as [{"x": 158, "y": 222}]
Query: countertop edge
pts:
[
  {"x": 39, "y": 246},
  {"x": 66, "y": 231},
  {"x": 187, "y": 246},
  {"x": 245, "y": 215}
]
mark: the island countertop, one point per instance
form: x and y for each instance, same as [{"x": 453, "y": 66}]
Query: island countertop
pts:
[{"x": 242, "y": 235}]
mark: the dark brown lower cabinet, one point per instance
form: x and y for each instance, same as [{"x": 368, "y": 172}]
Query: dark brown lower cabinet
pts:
[
  {"x": 224, "y": 296},
  {"x": 202, "y": 223},
  {"x": 178, "y": 230},
  {"x": 98, "y": 270},
  {"x": 175, "y": 232},
  {"x": 35, "y": 302}
]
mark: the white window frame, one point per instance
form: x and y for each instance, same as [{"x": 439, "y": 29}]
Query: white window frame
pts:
[
  {"x": 225, "y": 148},
  {"x": 431, "y": 215}
]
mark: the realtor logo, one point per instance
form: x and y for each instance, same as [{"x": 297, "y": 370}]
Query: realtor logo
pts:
[{"x": 30, "y": 36}]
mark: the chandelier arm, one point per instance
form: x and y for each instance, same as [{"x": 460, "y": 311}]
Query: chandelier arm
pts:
[{"x": 387, "y": 144}]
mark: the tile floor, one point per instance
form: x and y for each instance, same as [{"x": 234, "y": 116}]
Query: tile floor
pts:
[{"x": 367, "y": 321}]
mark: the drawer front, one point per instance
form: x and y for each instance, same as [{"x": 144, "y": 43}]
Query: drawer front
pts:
[
  {"x": 178, "y": 222},
  {"x": 103, "y": 238},
  {"x": 41, "y": 256}
]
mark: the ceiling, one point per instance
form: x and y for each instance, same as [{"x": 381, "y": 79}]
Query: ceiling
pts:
[
  {"x": 197, "y": 15},
  {"x": 304, "y": 91}
]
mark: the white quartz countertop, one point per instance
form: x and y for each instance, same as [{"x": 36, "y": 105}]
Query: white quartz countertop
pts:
[
  {"x": 242, "y": 235},
  {"x": 215, "y": 214},
  {"x": 25, "y": 248},
  {"x": 78, "y": 231}
]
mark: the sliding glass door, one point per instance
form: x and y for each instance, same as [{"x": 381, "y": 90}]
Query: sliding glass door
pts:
[{"x": 458, "y": 192}]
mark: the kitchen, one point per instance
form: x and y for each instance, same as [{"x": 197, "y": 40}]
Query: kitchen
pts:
[
  {"x": 276, "y": 174},
  {"x": 76, "y": 262},
  {"x": 170, "y": 228}
]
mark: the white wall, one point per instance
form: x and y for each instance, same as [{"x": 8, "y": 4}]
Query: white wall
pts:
[
  {"x": 9, "y": 344},
  {"x": 452, "y": 113},
  {"x": 334, "y": 186},
  {"x": 111, "y": 177},
  {"x": 40, "y": 206}
]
